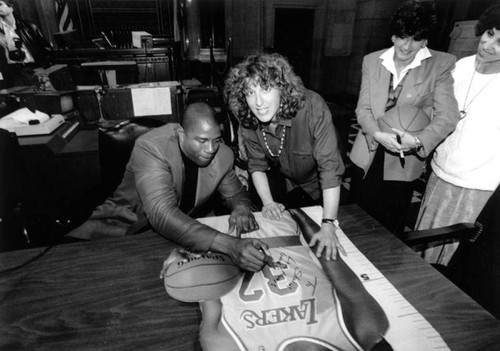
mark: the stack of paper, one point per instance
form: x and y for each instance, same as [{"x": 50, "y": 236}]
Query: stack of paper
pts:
[{"x": 24, "y": 122}]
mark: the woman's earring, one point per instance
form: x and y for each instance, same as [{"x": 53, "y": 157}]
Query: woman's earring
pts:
[
  {"x": 425, "y": 44},
  {"x": 393, "y": 38}
]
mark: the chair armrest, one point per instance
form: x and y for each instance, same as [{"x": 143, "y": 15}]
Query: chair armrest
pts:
[{"x": 455, "y": 231}]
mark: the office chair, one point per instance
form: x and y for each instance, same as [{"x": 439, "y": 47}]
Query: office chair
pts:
[
  {"x": 475, "y": 265},
  {"x": 13, "y": 234},
  {"x": 115, "y": 147}
]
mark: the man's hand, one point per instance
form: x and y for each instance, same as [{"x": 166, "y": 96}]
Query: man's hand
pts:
[
  {"x": 327, "y": 240},
  {"x": 273, "y": 210},
  {"x": 242, "y": 220},
  {"x": 178, "y": 253},
  {"x": 248, "y": 254}
]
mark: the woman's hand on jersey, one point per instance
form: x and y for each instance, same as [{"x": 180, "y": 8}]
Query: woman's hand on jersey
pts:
[
  {"x": 273, "y": 210},
  {"x": 326, "y": 239}
]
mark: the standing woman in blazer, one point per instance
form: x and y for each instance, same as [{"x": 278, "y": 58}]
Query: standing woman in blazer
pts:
[{"x": 407, "y": 75}]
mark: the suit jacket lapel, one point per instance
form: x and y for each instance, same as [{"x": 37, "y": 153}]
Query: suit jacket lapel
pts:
[
  {"x": 380, "y": 90},
  {"x": 176, "y": 171},
  {"x": 412, "y": 86}
]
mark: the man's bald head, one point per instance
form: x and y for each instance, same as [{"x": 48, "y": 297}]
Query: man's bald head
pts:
[
  {"x": 200, "y": 135},
  {"x": 198, "y": 113}
]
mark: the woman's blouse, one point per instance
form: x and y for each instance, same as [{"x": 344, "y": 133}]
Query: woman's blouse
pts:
[{"x": 310, "y": 156}]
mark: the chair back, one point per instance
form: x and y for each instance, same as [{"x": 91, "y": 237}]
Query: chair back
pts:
[
  {"x": 12, "y": 229},
  {"x": 115, "y": 147},
  {"x": 475, "y": 266}
]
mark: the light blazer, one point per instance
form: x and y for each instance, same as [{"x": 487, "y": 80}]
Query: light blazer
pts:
[
  {"x": 151, "y": 190},
  {"x": 428, "y": 87}
]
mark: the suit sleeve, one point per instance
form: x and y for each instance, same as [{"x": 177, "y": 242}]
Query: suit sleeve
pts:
[
  {"x": 445, "y": 108},
  {"x": 155, "y": 187},
  {"x": 364, "y": 112}
]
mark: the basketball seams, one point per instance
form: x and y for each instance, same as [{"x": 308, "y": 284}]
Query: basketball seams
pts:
[
  {"x": 204, "y": 284},
  {"x": 188, "y": 266},
  {"x": 204, "y": 278}
]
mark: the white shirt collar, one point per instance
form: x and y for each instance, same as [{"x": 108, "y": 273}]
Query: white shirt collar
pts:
[{"x": 387, "y": 58}]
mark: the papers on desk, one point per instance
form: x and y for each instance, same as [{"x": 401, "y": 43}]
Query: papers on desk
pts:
[{"x": 24, "y": 122}]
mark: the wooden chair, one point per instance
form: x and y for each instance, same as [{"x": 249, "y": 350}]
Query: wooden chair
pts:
[{"x": 475, "y": 266}]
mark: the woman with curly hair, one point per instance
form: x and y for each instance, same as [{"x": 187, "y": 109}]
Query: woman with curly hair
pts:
[
  {"x": 406, "y": 80},
  {"x": 285, "y": 125}
]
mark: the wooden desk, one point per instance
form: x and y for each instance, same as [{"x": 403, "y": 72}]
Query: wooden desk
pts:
[{"x": 107, "y": 295}]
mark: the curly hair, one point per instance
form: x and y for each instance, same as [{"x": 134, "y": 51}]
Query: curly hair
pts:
[
  {"x": 414, "y": 18},
  {"x": 267, "y": 70},
  {"x": 489, "y": 19}
]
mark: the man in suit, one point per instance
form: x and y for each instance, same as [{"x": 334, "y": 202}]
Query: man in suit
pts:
[{"x": 173, "y": 172}]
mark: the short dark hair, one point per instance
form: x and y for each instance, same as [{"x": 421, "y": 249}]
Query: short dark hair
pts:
[
  {"x": 268, "y": 70},
  {"x": 414, "y": 18},
  {"x": 489, "y": 19},
  {"x": 197, "y": 112},
  {"x": 9, "y": 3}
]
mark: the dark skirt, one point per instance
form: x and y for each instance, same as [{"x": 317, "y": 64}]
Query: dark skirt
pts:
[{"x": 386, "y": 201}]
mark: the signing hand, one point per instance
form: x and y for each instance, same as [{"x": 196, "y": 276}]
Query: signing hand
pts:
[
  {"x": 249, "y": 254},
  {"x": 273, "y": 210},
  {"x": 242, "y": 220},
  {"x": 327, "y": 240}
]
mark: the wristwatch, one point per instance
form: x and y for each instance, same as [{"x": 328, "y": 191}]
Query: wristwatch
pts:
[
  {"x": 335, "y": 222},
  {"x": 418, "y": 143}
]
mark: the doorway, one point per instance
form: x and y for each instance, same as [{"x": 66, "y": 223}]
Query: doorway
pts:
[{"x": 293, "y": 38}]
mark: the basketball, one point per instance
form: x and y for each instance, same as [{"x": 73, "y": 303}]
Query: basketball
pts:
[
  {"x": 407, "y": 118},
  {"x": 207, "y": 277}
]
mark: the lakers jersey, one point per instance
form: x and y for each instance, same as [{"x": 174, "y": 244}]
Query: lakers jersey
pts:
[{"x": 289, "y": 306}]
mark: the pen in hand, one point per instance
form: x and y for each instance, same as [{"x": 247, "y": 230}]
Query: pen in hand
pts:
[{"x": 401, "y": 153}]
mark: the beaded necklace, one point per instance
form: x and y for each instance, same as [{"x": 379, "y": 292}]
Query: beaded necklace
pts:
[{"x": 281, "y": 143}]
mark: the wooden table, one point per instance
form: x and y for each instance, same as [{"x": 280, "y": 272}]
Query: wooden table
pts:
[{"x": 107, "y": 295}]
